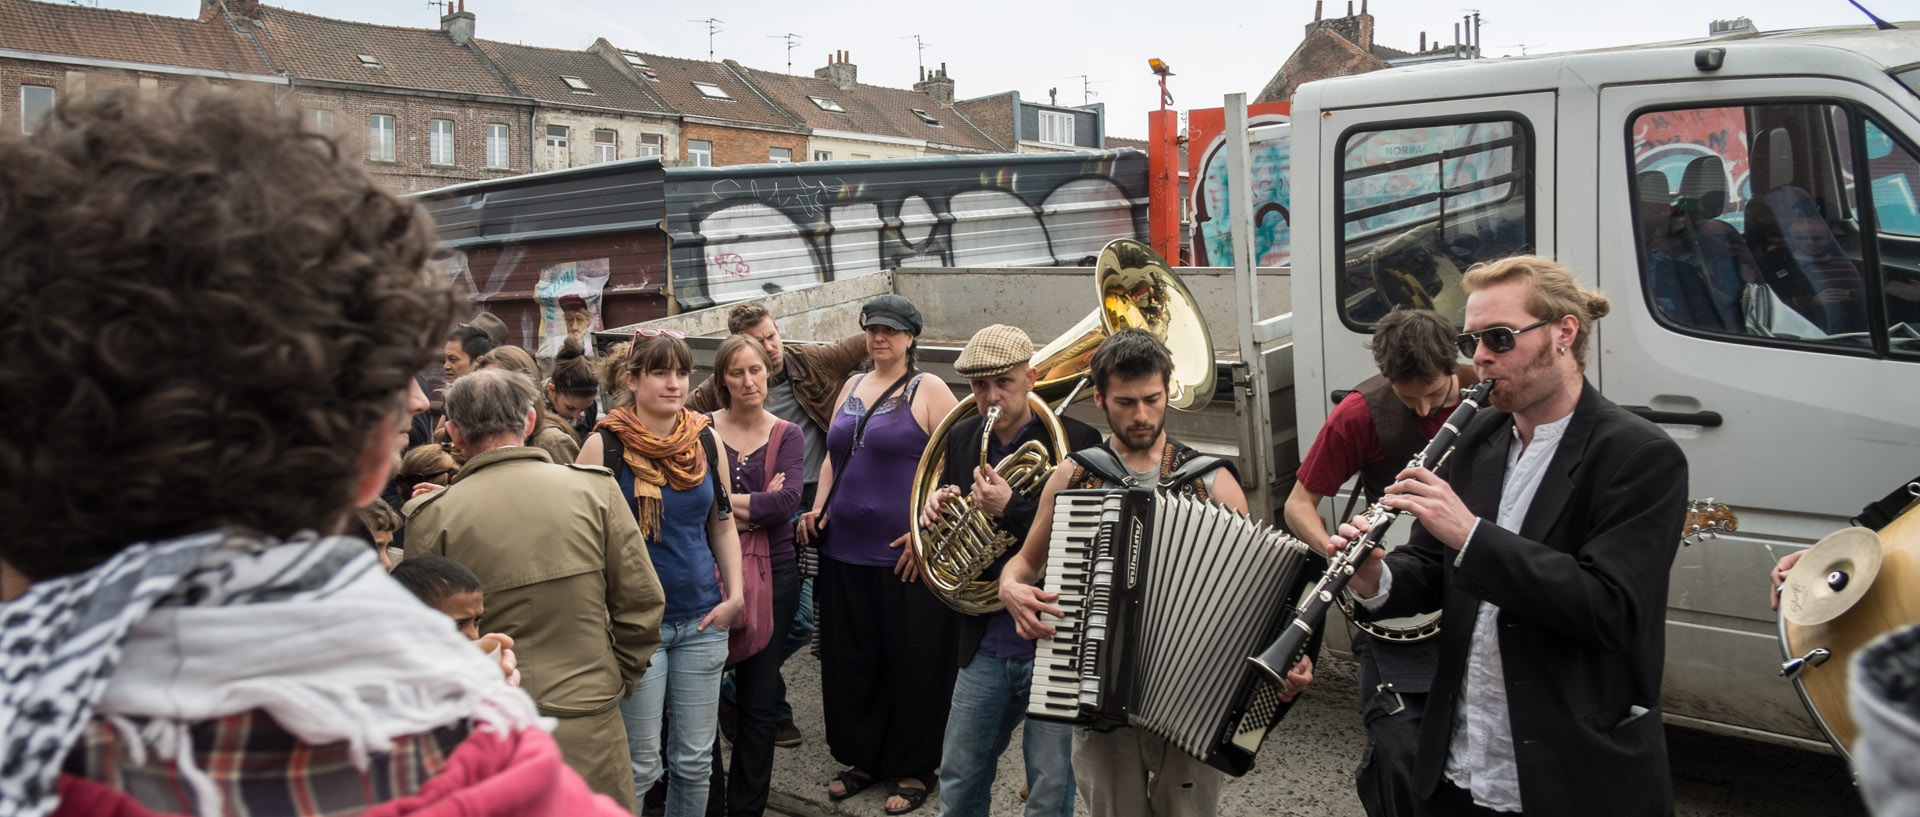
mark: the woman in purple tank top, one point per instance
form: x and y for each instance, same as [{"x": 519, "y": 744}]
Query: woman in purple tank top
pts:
[{"x": 887, "y": 661}]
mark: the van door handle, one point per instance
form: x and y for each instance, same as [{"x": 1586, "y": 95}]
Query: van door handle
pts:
[{"x": 1706, "y": 419}]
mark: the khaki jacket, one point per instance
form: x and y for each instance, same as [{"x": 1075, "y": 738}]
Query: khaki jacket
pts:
[
  {"x": 565, "y": 571},
  {"x": 816, "y": 370}
]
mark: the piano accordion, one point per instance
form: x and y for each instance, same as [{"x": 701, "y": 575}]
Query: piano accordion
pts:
[{"x": 1165, "y": 596}]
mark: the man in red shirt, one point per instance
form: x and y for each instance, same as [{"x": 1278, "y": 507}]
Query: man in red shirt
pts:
[{"x": 1373, "y": 432}]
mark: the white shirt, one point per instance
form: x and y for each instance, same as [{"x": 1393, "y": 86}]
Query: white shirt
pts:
[{"x": 1480, "y": 756}]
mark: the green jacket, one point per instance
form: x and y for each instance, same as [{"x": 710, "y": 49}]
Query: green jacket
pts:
[{"x": 565, "y": 571}]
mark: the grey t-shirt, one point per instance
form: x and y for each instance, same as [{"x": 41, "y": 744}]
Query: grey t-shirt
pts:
[
  {"x": 1151, "y": 476},
  {"x": 781, "y": 402}
]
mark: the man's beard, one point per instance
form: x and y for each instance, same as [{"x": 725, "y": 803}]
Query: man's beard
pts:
[
  {"x": 1126, "y": 440},
  {"x": 1527, "y": 386}
]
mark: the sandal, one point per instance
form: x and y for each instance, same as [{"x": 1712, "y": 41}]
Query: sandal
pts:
[
  {"x": 851, "y": 783},
  {"x": 915, "y": 797}
]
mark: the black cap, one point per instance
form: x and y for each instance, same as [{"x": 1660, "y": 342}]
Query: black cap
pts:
[{"x": 891, "y": 311}]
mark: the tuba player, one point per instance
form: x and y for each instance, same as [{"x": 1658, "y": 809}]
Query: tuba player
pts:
[{"x": 996, "y": 663}]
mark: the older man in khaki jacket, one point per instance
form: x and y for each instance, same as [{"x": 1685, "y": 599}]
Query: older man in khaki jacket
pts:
[{"x": 565, "y": 570}]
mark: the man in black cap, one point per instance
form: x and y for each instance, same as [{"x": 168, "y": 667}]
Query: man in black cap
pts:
[{"x": 996, "y": 664}]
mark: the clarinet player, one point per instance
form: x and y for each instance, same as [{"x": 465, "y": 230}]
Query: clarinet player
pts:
[{"x": 1548, "y": 547}]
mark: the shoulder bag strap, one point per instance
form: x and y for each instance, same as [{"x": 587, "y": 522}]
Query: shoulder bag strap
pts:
[
  {"x": 860, "y": 430},
  {"x": 711, "y": 443}
]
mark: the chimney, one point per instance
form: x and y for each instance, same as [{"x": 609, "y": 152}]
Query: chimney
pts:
[
  {"x": 939, "y": 87},
  {"x": 841, "y": 70},
  {"x": 1423, "y": 43},
  {"x": 459, "y": 25},
  {"x": 1317, "y": 6},
  {"x": 248, "y": 10},
  {"x": 1349, "y": 8}
]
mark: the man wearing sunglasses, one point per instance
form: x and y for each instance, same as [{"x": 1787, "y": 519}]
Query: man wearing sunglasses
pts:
[
  {"x": 1374, "y": 430},
  {"x": 1548, "y": 548}
]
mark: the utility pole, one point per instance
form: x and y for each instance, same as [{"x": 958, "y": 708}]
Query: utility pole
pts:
[
  {"x": 713, "y": 27},
  {"x": 920, "y": 51},
  {"x": 792, "y": 40}
]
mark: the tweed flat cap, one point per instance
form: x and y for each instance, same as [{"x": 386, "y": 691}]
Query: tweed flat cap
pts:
[{"x": 993, "y": 351}]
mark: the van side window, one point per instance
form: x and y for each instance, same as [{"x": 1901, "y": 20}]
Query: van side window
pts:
[
  {"x": 1750, "y": 225},
  {"x": 1422, "y": 202}
]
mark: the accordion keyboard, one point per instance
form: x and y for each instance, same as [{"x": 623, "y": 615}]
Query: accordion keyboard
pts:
[{"x": 1082, "y": 574}]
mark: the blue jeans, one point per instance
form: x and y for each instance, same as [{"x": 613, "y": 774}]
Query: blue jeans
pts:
[
  {"x": 685, "y": 674},
  {"x": 989, "y": 700}
]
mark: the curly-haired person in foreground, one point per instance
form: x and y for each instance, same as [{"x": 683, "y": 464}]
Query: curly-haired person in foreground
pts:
[{"x": 220, "y": 318}]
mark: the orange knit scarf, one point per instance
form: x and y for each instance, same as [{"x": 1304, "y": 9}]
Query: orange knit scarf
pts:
[{"x": 676, "y": 459}]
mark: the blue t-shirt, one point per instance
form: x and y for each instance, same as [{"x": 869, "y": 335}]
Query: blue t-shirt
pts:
[{"x": 681, "y": 556}]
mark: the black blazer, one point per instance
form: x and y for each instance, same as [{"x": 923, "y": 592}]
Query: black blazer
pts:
[
  {"x": 963, "y": 454},
  {"x": 1582, "y": 592}
]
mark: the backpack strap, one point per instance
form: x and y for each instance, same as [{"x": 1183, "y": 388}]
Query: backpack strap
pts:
[
  {"x": 712, "y": 445},
  {"x": 612, "y": 454},
  {"x": 1194, "y": 469}
]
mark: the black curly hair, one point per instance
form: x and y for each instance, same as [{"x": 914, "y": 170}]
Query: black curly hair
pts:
[{"x": 207, "y": 317}]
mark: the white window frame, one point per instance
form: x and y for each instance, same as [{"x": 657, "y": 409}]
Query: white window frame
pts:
[
  {"x": 317, "y": 120},
  {"x": 773, "y": 155},
  {"x": 498, "y": 135},
  {"x": 700, "y": 152},
  {"x": 29, "y": 120},
  {"x": 440, "y": 141},
  {"x": 576, "y": 84},
  {"x": 926, "y": 117},
  {"x": 368, "y": 61},
  {"x": 711, "y": 91},
  {"x": 1061, "y": 130},
  {"x": 380, "y": 141},
  {"x": 634, "y": 60},
  {"x": 651, "y": 144},
  {"x": 607, "y": 149},
  {"x": 826, "y": 104},
  {"x": 559, "y": 145},
  {"x": 823, "y": 155}
]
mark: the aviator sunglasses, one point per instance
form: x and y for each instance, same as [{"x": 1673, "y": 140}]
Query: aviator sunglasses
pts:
[{"x": 1499, "y": 339}]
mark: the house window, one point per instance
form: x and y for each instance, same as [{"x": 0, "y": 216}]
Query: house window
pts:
[
  {"x": 633, "y": 59},
  {"x": 605, "y": 146},
  {"x": 1056, "y": 128},
  {"x": 928, "y": 118},
  {"x": 496, "y": 145},
  {"x": 861, "y": 156},
  {"x": 780, "y": 156},
  {"x": 557, "y": 146},
  {"x": 577, "y": 85},
  {"x": 380, "y": 137},
  {"x": 651, "y": 144},
  {"x": 700, "y": 153},
  {"x": 35, "y": 102},
  {"x": 440, "y": 141},
  {"x": 711, "y": 91},
  {"x": 368, "y": 61},
  {"x": 317, "y": 121},
  {"x": 827, "y": 104},
  {"x": 823, "y": 155}
]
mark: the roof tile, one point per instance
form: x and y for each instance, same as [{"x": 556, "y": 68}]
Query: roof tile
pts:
[
  {"x": 537, "y": 72},
  {"x": 673, "y": 78},
  {"x": 324, "y": 48},
  {"x": 870, "y": 109},
  {"x": 109, "y": 34}
]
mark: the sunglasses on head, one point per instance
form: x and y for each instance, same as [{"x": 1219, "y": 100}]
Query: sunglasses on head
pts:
[
  {"x": 1499, "y": 339},
  {"x": 415, "y": 479},
  {"x": 650, "y": 332}
]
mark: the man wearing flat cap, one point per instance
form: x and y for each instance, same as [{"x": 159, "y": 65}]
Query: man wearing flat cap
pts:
[{"x": 990, "y": 693}]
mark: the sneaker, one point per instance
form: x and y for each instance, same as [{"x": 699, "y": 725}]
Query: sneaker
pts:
[{"x": 785, "y": 733}]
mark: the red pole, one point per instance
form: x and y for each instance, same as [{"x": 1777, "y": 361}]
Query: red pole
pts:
[{"x": 1163, "y": 183}]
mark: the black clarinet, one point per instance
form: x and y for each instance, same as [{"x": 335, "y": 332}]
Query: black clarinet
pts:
[{"x": 1286, "y": 650}]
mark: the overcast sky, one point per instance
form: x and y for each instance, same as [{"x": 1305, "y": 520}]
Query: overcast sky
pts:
[{"x": 1031, "y": 46}]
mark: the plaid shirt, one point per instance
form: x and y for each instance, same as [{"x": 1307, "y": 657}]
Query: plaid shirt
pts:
[{"x": 261, "y": 769}]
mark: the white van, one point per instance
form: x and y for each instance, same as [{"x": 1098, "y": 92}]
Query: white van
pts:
[{"x": 1748, "y": 203}]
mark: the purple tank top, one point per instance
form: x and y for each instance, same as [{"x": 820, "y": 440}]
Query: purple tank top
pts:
[{"x": 870, "y": 510}]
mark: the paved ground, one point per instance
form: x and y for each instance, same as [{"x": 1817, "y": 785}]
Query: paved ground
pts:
[{"x": 1306, "y": 767}]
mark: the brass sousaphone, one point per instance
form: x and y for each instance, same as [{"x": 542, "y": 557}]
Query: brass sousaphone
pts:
[{"x": 1137, "y": 290}]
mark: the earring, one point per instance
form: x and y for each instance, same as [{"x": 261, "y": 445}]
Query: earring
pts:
[{"x": 1563, "y": 350}]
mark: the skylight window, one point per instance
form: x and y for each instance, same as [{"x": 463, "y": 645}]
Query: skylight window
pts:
[
  {"x": 368, "y": 61},
  {"x": 711, "y": 91},
  {"x": 634, "y": 59},
  {"x": 925, "y": 117},
  {"x": 827, "y": 104},
  {"x": 650, "y": 75},
  {"x": 578, "y": 85}
]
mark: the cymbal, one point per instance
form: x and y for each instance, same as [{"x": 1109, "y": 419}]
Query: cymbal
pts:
[{"x": 1831, "y": 577}]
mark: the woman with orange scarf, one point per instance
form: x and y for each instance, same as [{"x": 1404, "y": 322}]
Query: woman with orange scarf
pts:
[{"x": 665, "y": 464}]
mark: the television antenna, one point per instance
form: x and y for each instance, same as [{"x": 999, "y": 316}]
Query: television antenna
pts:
[
  {"x": 713, "y": 27},
  {"x": 920, "y": 51},
  {"x": 793, "y": 40},
  {"x": 1086, "y": 87}
]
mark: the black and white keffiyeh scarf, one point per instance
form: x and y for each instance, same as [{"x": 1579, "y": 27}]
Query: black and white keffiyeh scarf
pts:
[{"x": 310, "y": 630}]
